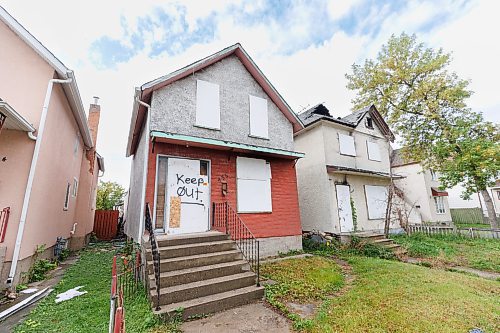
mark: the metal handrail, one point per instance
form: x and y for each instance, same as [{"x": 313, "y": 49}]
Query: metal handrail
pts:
[
  {"x": 225, "y": 218},
  {"x": 154, "y": 253}
]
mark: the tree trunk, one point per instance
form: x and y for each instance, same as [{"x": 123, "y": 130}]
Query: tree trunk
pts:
[{"x": 492, "y": 218}]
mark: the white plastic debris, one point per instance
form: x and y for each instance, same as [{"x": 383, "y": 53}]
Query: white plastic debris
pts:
[
  {"x": 69, "y": 294},
  {"x": 29, "y": 291}
]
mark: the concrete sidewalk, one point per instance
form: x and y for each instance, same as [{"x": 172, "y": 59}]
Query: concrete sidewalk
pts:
[{"x": 250, "y": 318}]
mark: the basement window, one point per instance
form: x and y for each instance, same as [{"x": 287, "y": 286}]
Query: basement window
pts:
[{"x": 253, "y": 185}]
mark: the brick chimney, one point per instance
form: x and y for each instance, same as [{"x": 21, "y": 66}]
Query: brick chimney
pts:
[
  {"x": 94, "y": 115},
  {"x": 93, "y": 121}
]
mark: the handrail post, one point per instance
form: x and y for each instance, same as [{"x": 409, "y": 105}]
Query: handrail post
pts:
[
  {"x": 258, "y": 263},
  {"x": 226, "y": 208}
]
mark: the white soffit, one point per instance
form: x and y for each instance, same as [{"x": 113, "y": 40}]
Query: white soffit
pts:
[{"x": 14, "y": 121}]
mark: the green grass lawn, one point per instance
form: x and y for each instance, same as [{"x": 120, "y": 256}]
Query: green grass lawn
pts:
[
  {"x": 473, "y": 225},
  {"x": 90, "y": 312},
  {"x": 483, "y": 254},
  {"x": 389, "y": 296}
]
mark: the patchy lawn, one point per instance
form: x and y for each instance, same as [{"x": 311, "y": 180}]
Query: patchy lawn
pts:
[
  {"x": 473, "y": 225},
  {"x": 90, "y": 312},
  {"x": 452, "y": 250},
  {"x": 305, "y": 281},
  {"x": 390, "y": 296}
]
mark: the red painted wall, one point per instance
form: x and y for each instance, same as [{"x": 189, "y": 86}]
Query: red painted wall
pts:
[{"x": 285, "y": 218}]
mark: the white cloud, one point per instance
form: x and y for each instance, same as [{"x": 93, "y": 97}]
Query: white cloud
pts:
[{"x": 304, "y": 77}]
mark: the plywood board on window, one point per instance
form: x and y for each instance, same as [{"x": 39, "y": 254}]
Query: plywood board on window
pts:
[
  {"x": 207, "y": 104},
  {"x": 346, "y": 143},
  {"x": 175, "y": 212},
  {"x": 258, "y": 117},
  {"x": 376, "y": 201}
]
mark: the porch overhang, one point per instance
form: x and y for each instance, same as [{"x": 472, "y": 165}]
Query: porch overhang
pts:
[
  {"x": 13, "y": 120},
  {"x": 438, "y": 193},
  {"x": 360, "y": 172},
  {"x": 194, "y": 141}
]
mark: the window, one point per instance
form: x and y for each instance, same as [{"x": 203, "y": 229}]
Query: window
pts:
[
  {"x": 376, "y": 201},
  {"x": 207, "y": 105},
  {"x": 77, "y": 144},
  {"x": 373, "y": 151},
  {"x": 66, "y": 198},
  {"x": 434, "y": 175},
  {"x": 258, "y": 117},
  {"x": 161, "y": 180},
  {"x": 498, "y": 195},
  {"x": 369, "y": 122},
  {"x": 253, "y": 185},
  {"x": 203, "y": 168},
  {"x": 346, "y": 143},
  {"x": 439, "y": 201},
  {"x": 75, "y": 187}
]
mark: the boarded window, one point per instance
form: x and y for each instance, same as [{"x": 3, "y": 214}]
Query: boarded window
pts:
[
  {"x": 439, "y": 201},
  {"x": 253, "y": 185},
  {"x": 346, "y": 143},
  {"x": 376, "y": 201},
  {"x": 160, "y": 192},
  {"x": 207, "y": 105},
  {"x": 258, "y": 117},
  {"x": 373, "y": 151},
  {"x": 66, "y": 197}
]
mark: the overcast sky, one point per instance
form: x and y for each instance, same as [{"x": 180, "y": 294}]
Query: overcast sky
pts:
[{"x": 303, "y": 47}]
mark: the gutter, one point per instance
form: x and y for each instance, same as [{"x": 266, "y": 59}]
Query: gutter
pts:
[{"x": 31, "y": 177}]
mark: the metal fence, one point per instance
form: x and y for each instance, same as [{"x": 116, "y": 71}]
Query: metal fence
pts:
[
  {"x": 466, "y": 232},
  {"x": 467, "y": 215}
]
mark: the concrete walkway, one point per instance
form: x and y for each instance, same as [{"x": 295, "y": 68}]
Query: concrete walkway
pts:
[{"x": 250, "y": 318}]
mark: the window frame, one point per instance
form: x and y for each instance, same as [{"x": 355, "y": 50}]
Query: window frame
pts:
[
  {"x": 434, "y": 175},
  {"x": 440, "y": 206},
  {"x": 369, "y": 123}
]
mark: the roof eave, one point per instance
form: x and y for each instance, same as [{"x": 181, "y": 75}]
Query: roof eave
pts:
[
  {"x": 13, "y": 114},
  {"x": 132, "y": 133}
]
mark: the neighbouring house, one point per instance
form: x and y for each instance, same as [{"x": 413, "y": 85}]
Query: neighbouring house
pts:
[
  {"x": 476, "y": 200},
  {"x": 343, "y": 179},
  {"x": 215, "y": 132},
  {"x": 421, "y": 188},
  {"x": 48, "y": 162},
  {"x": 495, "y": 196}
]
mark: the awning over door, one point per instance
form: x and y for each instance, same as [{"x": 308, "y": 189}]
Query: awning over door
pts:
[{"x": 437, "y": 193}]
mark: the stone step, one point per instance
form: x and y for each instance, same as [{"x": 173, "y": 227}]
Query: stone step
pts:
[
  {"x": 213, "y": 303},
  {"x": 174, "y": 264},
  {"x": 382, "y": 241},
  {"x": 194, "y": 238},
  {"x": 188, "y": 275},
  {"x": 203, "y": 288},
  {"x": 193, "y": 249}
]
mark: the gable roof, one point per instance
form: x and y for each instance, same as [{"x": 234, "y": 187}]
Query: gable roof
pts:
[
  {"x": 320, "y": 112},
  {"x": 145, "y": 91},
  {"x": 397, "y": 158},
  {"x": 70, "y": 89}
]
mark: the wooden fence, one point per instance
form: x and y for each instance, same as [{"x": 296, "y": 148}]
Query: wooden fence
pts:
[
  {"x": 466, "y": 232},
  {"x": 106, "y": 224},
  {"x": 467, "y": 215}
]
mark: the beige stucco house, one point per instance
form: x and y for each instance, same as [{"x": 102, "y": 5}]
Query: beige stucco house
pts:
[
  {"x": 421, "y": 188},
  {"x": 48, "y": 163},
  {"x": 343, "y": 179}
]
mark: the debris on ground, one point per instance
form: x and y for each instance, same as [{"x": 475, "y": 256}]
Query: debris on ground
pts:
[
  {"x": 69, "y": 294},
  {"x": 29, "y": 291}
]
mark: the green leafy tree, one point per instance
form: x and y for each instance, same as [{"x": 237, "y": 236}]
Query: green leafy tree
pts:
[
  {"x": 109, "y": 195},
  {"x": 425, "y": 105}
]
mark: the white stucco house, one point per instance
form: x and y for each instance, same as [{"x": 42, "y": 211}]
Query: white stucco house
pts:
[
  {"x": 343, "y": 179},
  {"x": 421, "y": 190}
]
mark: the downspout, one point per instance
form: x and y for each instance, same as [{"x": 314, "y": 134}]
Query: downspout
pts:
[
  {"x": 31, "y": 176},
  {"x": 145, "y": 171}
]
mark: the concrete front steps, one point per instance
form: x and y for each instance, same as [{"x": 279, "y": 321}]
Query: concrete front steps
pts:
[
  {"x": 201, "y": 273},
  {"x": 379, "y": 239}
]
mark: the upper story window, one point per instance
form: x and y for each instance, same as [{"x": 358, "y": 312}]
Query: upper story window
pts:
[
  {"x": 66, "y": 197},
  {"x": 258, "y": 117},
  {"x": 369, "y": 122},
  {"x": 498, "y": 195},
  {"x": 74, "y": 193},
  {"x": 434, "y": 175},
  {"x": 207, "y": 105},
  {"x": 373, "y": 151},
  {"x": 346, "y": 143},
  {"x": 76, "y": 146}
]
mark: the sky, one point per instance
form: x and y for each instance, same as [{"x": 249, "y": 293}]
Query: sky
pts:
[{"x": 305, "y": 48}]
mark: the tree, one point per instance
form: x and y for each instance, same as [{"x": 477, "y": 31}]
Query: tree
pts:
[
  {"x": 425, "y": 105},
  {"x": 109, "y": 195}
]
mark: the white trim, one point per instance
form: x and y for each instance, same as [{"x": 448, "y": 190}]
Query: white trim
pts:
[
  {"x": 144, "y": 179},
  {"x": 15, "y": 117}
]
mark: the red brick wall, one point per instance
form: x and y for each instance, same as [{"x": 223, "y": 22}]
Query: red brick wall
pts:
[{"x": 285, "y": 218}]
